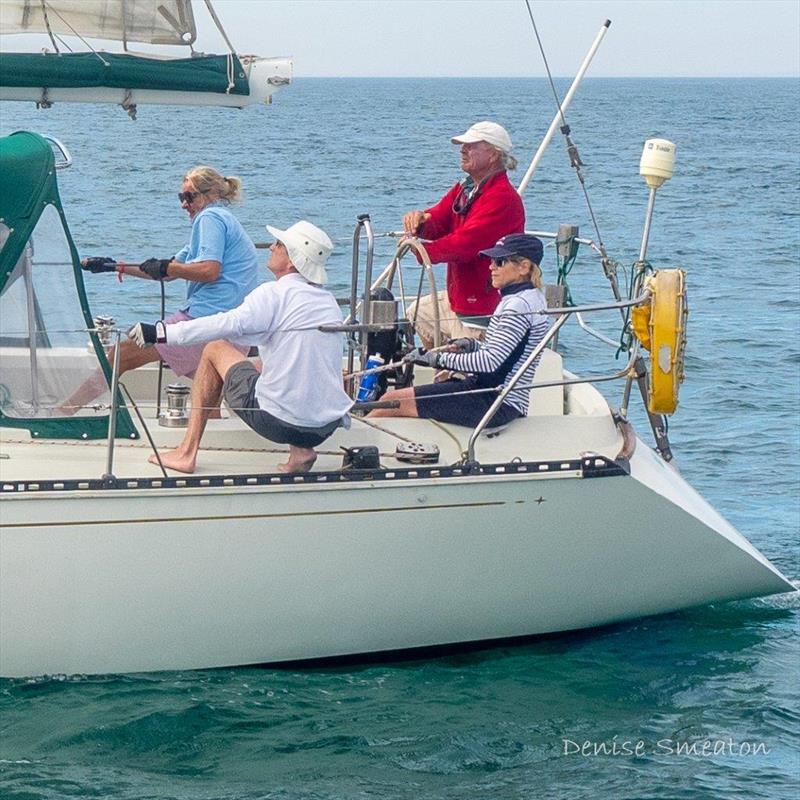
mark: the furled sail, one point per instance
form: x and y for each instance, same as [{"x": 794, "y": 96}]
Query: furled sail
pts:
[
  {"x": 146, "y": 21},
  {"x": 98, "y": 76}
]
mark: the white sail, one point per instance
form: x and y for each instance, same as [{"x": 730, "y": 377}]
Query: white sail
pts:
[{"x": 147, "y": 21}]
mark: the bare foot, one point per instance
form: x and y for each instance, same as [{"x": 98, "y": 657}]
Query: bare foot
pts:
[
  {"x": 175, "y": 459},
  {"x": 301, "y": 461}
]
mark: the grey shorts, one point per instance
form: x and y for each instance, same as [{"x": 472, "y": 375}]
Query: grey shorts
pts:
[{"x": 239, "y": 391}]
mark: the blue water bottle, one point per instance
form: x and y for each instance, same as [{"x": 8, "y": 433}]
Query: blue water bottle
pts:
[{"x": 368, "y": 388}]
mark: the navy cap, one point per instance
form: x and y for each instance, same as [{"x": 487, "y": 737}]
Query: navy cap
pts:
[{"x": 517, "y": 244}]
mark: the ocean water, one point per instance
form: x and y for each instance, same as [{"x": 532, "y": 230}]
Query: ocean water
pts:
[{"x": 697, "y": 704}]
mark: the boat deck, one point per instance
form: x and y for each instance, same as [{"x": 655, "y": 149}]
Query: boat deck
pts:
[
  {"x": 563, "y": 426},
  {"x": 230, "y": 448}
]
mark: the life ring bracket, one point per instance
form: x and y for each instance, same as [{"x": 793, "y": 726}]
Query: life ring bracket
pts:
[{"x": 660, "y": 326}]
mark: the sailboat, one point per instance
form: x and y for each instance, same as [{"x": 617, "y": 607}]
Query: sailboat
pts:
[
  {"x": 406, "y": 534},
  {"x": 93, "y": 75}
]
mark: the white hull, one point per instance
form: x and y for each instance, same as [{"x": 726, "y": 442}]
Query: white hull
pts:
[
  {"x": 134, "y": 580},
  {"x": 265, "y": 76}
]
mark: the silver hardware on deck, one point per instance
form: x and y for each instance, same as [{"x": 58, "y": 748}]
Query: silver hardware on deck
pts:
[
  {"x": 362, "y": 221},
  {"x": 104, "y": 325},
  {"x": 177, "y": 412},
  {"x": 417, "y": 452}
]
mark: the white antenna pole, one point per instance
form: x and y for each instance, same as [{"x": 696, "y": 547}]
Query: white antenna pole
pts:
[{"x": 564, "y": 104}]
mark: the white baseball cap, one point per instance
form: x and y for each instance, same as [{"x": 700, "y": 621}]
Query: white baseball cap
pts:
[
  {"x": 489, "y": 132},
  {"x": 308, "y": 247}
]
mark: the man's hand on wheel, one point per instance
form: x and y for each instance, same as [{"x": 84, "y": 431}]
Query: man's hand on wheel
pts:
[
  {"x": 414, "y": 220},
  {"x": 146, "y": 335}
]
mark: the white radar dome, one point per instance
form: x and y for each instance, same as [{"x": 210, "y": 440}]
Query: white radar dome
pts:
[{"x": 658, "y": 162}]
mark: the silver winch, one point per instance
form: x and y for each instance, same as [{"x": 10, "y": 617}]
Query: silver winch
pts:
[
  {"x": 104, "y": 325},
  {"x": 176, "y": 414}
]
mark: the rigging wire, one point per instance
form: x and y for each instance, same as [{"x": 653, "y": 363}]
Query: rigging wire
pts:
[
  {"x": 219, "y": 26},
  {"x": 144, "y": 425},
  {"x": 55, "y": 11},
  {"x": 47, "y": 25},
  {"x": 572, "y": 150},
  {"x": 63, "y": 43}
]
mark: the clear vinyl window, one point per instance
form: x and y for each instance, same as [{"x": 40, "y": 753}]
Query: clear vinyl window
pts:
[{"x": 45, "y": 352}]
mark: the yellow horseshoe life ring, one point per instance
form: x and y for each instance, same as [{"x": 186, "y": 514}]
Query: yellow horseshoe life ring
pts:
[{"x": 660, "y": 325}]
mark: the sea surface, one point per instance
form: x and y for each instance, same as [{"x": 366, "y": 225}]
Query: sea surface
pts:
[{"x": 711, "y": 694}]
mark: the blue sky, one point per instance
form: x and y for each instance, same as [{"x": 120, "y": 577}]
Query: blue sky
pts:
[{"x": 494, "y": 37}]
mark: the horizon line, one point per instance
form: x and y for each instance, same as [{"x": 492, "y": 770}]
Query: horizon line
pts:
[{"x": 557, "y": 77}]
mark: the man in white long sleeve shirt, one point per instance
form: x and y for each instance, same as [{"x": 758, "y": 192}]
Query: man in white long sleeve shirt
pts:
[{"x": 297, "y": 398}]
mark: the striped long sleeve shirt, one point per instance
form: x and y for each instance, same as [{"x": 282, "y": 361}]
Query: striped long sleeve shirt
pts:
[{"x": 515, "y": 329}]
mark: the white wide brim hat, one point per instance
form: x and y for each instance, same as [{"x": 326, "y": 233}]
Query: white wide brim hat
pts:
[
  {"x": 489, "y": 132},
  {"x": 308, "y": 247}
]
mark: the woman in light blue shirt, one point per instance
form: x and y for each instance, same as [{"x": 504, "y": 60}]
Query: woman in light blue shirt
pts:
[{"x": 219, "y": 264}]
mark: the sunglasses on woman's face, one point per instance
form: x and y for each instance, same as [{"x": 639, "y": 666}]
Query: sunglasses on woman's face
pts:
[
  {"x": 501, "y": 262},
  {"x": 188, "y": 197}
]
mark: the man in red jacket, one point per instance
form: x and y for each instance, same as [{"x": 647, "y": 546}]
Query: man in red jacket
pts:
[{"x": 472, "y": 216}]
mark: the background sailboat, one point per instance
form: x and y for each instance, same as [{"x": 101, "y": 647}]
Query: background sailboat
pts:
[{"x": 74, "y": 67}]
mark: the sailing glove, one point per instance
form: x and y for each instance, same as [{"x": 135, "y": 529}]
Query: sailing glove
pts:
[
  {"x": 463, "y": 345},
  {"x": 146, "y": 335},
  {"x": 156, "y": 268},
  {"x": 97, "y": 264},
  {"x": 429, "y": 358}
]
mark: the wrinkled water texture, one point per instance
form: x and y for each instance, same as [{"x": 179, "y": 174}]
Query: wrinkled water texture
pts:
[{"x": 493, "y": 723}]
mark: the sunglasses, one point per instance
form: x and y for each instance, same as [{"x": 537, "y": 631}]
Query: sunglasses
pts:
[
  {"x": 188, "y": 197},
  {"x": 501, "y": 262}
]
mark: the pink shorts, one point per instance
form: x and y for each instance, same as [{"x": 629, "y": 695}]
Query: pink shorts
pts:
[{"x": 183, "y": 359}]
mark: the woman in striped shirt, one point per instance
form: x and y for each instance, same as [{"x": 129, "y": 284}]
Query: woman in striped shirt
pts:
[{"x": 515, "y": 328}]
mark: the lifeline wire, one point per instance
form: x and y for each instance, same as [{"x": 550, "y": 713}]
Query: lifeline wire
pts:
[
  {"x": 102, "y": 407},
  {"x": 545, "y": 312},
  {"x": 307, "y": 329}
]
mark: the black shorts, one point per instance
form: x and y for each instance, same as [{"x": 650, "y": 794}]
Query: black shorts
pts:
[
  {"x": 463, "y": 409},
  {"x": 239, "y": 390}
]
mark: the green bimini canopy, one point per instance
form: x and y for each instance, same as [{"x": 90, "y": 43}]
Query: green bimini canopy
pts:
[
  {"x": 216, "y": 74},
  {"x": 48, "y": 352}
]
